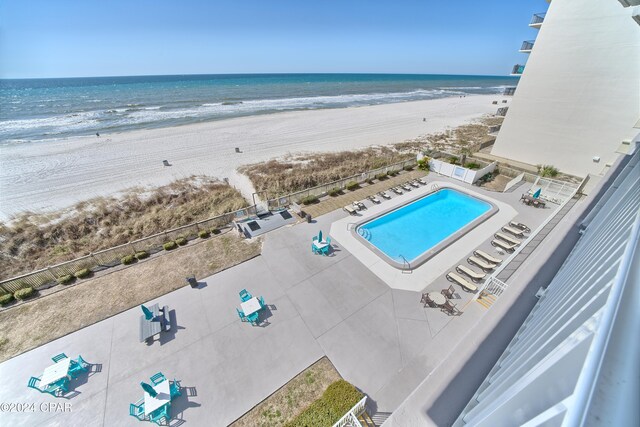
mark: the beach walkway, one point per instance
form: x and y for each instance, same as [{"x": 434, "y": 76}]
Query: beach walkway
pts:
[{"x": 380, "y": 339}]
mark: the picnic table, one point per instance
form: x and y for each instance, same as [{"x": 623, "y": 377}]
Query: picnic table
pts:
[
  {"x": 163, "y": 397},
  {"x": 155, "y": 325},
  {"x": 55, "y": 372},
  {"x": 250, "y": 306}
]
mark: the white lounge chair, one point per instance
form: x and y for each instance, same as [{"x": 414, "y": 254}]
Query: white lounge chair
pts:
[
  {"x": 504, "y": 245},
  {"x": 453, "y": 277},
  {"x": 507, "y": 238},
  {"x": 396, "y": 190},
  {"x": 359, "y": 205},
  {"x": 515, "y": 231},
  {"x": 385, "y": 195},
  {"x": 414, "y": 184},
  {"x": 374, "y": 199},
  {"x": 486, "y": 256},
  {"x": 520, "y": 225},
  {"x": 422, "y": 181},
  {"x": 406, "y": 187},
  {"x": 474, "y": 275},
  {"x": 350, "y": 210},
  {"x": 481, "y": 263}
]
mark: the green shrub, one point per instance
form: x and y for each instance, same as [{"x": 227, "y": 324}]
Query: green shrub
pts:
[
  {"x": 370, "y": 181},
  {"x": 129, "y": 259},
  {"x": 215, "y": 231},
  {"x": 381, "y": 176},
  {"x": 81, "y": 274},
  {"x": 336, "y": 401},
  {"x": 5, "y": 299},
  {"x": 335, "y": 191},
  {"x": 452, "y": 160},
  {"x": 352, "y": 185},
  {"x": 66, "y": 279},
  {"x": 24, "y": 293},
  {"x": 142, "y": 254},
  {"x": 310, "y": 199},
  {"x": 204, "y": 234},
  {"x": 182, "y": 241},
  {"x": 547, "y": 171},
  {"x": 423, "y": 164},
  {"x": 472, "y": 165},
  {"x": 170, "y": 246},
  {"x": 392, "y": 173},
  {"x": 409, "y": 167}
]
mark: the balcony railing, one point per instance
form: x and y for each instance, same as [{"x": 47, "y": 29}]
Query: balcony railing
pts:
[
  {"x": 509, "y": 91},
  {"x": 527, "y": 46},
  {"x": 537, "y": 19},
  {"x": 502, "y": 111},
  {"x": 517, "y": 69}
]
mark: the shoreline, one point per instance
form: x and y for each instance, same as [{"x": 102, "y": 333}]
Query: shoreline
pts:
[{"x": 56, "y": 174}]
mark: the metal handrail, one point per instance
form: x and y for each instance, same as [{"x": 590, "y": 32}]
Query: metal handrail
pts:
[
  {"x": 537, "y": 18},
  {"x": 405, "y": 262},
  {"x": 527, "y": 45}
]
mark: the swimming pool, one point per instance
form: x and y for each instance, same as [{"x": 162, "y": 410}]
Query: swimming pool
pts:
[{"x": 416, "y": 231}]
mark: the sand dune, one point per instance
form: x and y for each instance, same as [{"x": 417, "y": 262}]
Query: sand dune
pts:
[{"x": 57, "y": 174}]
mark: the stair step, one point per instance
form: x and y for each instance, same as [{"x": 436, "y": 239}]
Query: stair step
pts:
[{"x": 380, "y": 417}]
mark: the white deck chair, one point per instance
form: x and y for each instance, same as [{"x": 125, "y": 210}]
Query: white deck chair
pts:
[
  {"x": 504, "y": 245},
  {"x": 453, "y": 277},
  {"x": 486, "y": 256},
  {"x": 515, "y": 231},
  {"x": 474, "y": 275},
  {"x": 507, "y": 238},
  {"x": 481, "y": 263}
]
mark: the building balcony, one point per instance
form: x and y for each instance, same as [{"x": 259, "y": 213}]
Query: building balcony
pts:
[
  {"x": 526, "y": 46},
  {"x": 517, "y": 70},
  {"x": 502, "y": 111},
  {"x": 493, "y": 130},
  {"x": 627, "y": 3},
  {"x": 537, "y": 20},
  {"x": 509, "y": 91}
]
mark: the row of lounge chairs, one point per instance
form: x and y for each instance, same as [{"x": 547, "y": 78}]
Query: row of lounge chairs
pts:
[
  {"x": 356, "y": 206},
  {"x": 465, "y": 276}
]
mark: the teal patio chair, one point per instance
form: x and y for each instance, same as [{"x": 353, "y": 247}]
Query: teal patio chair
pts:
[
  {"x": 162, "y": 415},
  {"x": 174, "y": 388},
  {"x": 59, "y": 357},
  {"x": 314, "y": 249},
  {"x": 78, "y": 365},
  {"x": 254, "y": 317},
  {"x": 54, "y": 389},
  {"x": 245, "y": 296},
  {"x": 326, "y": 249},
  {"x": 158, "y": 378},
  {"x": 261, "y": 300},
  {"x": 148, "y": 314},
  {"x": 241, "y": 315},
  {"x": 137, "y": 410}
]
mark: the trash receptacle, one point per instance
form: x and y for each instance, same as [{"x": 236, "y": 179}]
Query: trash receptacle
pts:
[{"x": 308, "y": 218}]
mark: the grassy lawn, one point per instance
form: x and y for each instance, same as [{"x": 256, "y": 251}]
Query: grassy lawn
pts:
[
  {"x": 288, "y": 402},
  {"x": 30, "y": 325}
]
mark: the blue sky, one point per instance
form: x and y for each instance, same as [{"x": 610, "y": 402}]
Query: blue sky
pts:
[{"x": 73, "y": 38}]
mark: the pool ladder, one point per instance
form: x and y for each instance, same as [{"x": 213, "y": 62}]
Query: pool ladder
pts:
[
  {"x": 406, "y": 266},
  {"x": 366, "y": 234},
  {"x": 435, "y": 187}
]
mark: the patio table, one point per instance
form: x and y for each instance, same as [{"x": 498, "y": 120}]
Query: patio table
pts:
[
  {"x": 320, "y": 245},
  {"x": 55, "y": 372},
  {"x": 251, "y": 306},
  {"x": 437, "y": 298},
  {"x": 153, "y": 403}
]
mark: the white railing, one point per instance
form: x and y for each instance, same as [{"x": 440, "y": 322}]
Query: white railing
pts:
[
  {"x": 513, "y": 182},
  {"x": 494, "y": 286},
  {"x": 350, "y": 419},
  {"x": 459, "y": 172}
]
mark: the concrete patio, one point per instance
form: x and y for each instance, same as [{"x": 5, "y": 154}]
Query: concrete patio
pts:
[{"x": 380, "y": 339}]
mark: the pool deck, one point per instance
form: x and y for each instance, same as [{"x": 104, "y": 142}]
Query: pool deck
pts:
[{"x": 379, "y": 338}]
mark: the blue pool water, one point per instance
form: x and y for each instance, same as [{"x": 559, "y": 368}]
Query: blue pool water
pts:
[{"x": 419, "y": 226}]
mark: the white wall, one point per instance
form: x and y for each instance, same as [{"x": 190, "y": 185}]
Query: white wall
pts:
[{"x": 579, "y": 96}]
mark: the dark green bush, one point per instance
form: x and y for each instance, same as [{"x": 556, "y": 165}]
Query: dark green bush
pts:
[
  {"x": 24, "y": 293},
  {"x": 453, "y": 160},
  {"x": 392, "y": 173},
  {"x": 381, "y": 176},
  {"x": 84, "y": 273},
  {"x": 547, "y": 171},
  {"x": 5, "y": 299},
  {"x": 215, "y": 231},
  {"x": 472, "y": 165},
  {"x": 409, "y": 167},
  {"x": 308, "y": 200},
  {"x": 370, "y": 181},
  {"x": 336, "y": 401},
  {"x": 352, "y": 185},
  {"x": 204, "y": 234},
  {"x": 129, "y": 259},
  {"x": 423, "y": 164},
  {"x": 181, "y": 241},
  {"x": 142, "y": 254},
  {"x": 335, "y": 191},
  {"x": 170, "y": 246},
  {"x": 66, "y": 279}
]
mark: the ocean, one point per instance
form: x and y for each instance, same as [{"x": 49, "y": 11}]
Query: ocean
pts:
[{"x": 41, "y": 109}]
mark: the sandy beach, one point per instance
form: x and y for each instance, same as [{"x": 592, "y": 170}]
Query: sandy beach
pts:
[{"x": 51, "y": 175}]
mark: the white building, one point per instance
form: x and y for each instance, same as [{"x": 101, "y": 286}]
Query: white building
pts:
[{"x": 578, "y": 98}]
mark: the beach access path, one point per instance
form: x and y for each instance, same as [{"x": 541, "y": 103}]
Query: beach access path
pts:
[{"x": 50, "y": 175}]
